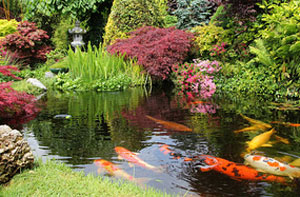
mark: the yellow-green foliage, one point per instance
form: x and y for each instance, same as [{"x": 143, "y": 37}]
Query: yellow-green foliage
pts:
[
  {"x": 7, "y": 27},
  {"x": 128, "y": 15},
  {"x": 60, "y": 37},
  {"x": 206, "y": 36}
]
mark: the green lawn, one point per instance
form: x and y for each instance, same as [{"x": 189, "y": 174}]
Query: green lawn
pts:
[{"x": 55, "y": 179}]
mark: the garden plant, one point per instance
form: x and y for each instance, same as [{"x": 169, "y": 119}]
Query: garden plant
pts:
[{"x": 204, "y": 48}]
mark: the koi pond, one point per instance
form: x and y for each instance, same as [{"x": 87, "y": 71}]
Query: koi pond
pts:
[{"x": 172, "y": 136}]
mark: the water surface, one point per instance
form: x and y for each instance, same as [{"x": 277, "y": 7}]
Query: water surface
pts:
[{"x": 102, "y": 121}]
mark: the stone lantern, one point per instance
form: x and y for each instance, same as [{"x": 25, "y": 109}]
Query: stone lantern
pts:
[{"x": 77, "y": 33}]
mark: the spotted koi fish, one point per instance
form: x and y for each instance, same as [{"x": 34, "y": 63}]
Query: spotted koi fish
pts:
[
  {"x": 235, "y": 171},
  {"x": 133, "y": 158},
  {"x": 170, "y": 125},
  {"x": 272, "y": 166},
  {"x": 165, "y": 149}
]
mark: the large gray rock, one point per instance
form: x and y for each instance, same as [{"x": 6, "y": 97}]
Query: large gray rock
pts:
[
  {"x": 36, "y": 83},
  {"x": 15, "y": 153}
]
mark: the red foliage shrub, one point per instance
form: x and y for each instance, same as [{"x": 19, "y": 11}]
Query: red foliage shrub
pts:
[
  {"x": 7, "y": 71},
  {"x": 157, "y": 49},
  {"x": 27, "y": 44},
  {"x": 14, "y": 104}
]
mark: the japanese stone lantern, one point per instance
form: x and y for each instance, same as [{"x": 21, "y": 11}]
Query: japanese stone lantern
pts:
[{"x": 77, "y": 33}]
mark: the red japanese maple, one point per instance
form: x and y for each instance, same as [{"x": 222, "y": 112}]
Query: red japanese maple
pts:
[
  {"x": 157, "y": 49},
  {"x": 27, "y": 44},
  {"x": 14, "y": 104},
  {"x": 7, "y": 71}
]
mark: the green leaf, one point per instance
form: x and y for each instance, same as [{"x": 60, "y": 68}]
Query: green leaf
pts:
[{"x": 295, "y": 48}]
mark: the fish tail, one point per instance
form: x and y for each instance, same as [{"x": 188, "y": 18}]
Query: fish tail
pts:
[
  {"x": 296, "y": 174},
  {"x": 151, "y": 118},
  {"x": 142, "y": 181}
]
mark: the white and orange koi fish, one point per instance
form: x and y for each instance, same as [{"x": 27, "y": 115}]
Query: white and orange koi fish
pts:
[
  {"x": 271, "y": 166},
  {"x": 112, "y": 169},
  {"x": 118, "y": 172},
  {"x": 131, "y": 157}
]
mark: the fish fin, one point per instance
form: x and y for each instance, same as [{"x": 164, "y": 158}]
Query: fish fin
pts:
[
  {"x": 295, "y": 163},
  {"x": 246, "y": 163},
  {"x": 100, "y": 170},
  {"x": 160, "y": 169},
  {"x": 267, "y": 145},
  {"x": 119, "y": 157},
  {"x": 237, "y": 179},
  {"x": 251, "y": 128},
  {"x": 205, "y": 169}
]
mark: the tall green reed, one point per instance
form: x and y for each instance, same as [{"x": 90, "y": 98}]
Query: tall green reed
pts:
[{"x": 97, "y": 64}]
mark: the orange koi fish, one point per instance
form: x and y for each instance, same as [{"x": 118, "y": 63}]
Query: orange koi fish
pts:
[
  {"x": 287, "y": 123},
  {"x": 272, "y": 166},
  {"x": 294, "y": 124},
  {"x": 133, "y": 158},
  {"x": 113, "y": 170},
  {"x": 170, "y": 125},
  {"x": 236, "y": 171}
]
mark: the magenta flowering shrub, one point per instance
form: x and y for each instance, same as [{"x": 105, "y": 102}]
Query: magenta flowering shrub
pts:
[
  {"x": 218, "y": 50},
  {"x": 196, "y": 80},
  {"x": 204, "y": 108}
]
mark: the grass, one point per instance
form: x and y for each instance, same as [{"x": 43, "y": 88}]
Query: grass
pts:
[
  {"x": 97, "y": 63},
  {"x": 56, "y": 179}
]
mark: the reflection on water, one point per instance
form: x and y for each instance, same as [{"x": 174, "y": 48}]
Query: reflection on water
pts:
[{"x": 102, "y": 121}]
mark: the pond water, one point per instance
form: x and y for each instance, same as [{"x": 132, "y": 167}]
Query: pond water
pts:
[{"x": 102, "y": 121}]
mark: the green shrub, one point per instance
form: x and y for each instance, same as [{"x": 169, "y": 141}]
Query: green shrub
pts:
[
  {"x": 128, "y": 15},
  {"x": 55, "y": 56},
  {"x": 61, "y": 37},
  {"x": 243, "y": 80},
  {"x": 7, "y": 27},
  {"x": 170, "y": 21},
  {"x": 279, "y": 46},
  {"x": 206, "y": 36}
]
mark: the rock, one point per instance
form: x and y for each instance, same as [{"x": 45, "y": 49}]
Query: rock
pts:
[
  {"x": 49, "y": 74},
  {"x": 36, "y": 83},
  {"x": 15, "y": 153}
]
